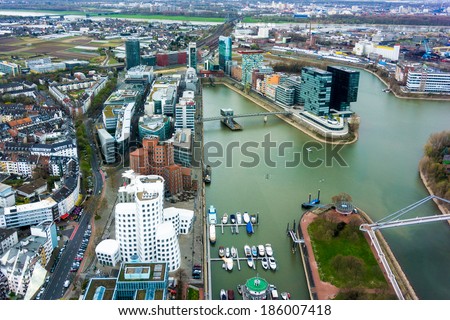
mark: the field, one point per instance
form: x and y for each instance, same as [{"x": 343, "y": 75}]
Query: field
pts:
[
  {"x": 343, "y": 255},
  {"x": 63, "y": 48}
]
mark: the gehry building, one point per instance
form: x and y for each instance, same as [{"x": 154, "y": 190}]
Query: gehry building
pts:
[{"x": 141, "y": 227}]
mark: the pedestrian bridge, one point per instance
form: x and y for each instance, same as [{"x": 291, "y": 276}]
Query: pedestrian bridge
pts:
[
  {"x": 258, "y": 114},
  {"x": 392, "y": 221}
]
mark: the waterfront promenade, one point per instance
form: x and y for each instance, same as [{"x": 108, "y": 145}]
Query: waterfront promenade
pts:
[{"x": 296, "y": 121}]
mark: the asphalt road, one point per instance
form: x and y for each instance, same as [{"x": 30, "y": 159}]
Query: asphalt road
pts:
[{"x": 55, "y": 288}]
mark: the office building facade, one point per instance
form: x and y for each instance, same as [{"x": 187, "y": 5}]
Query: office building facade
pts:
[
  {"x": 192, "y": 55},
  {"x": 133, "y": 55},
  {"x": 225, "y": 51},
  {"x": 251, "y": 59},
  {"x": 344, "y": 87},
  {"x": 316, "y": 90}
]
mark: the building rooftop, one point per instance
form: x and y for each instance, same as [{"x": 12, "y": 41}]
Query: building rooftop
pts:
[
  {"x": 131, "y": 272},
  {"x": 108, "y": 246}
]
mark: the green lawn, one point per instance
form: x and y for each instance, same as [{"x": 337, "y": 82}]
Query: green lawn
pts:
[
  {"x": 345, "y": 260},
  {"x": 193, "y": 294}
]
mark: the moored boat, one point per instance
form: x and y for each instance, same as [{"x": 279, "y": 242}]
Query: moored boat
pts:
[
  {"x": 265, "y": 263},
  {"x": 212, "y": 233},
  {"x": 247, "y": 250},
  {"x": 229, "y": 264},
  {"x": 269, "y": 250},
  {"x": 253, "y": 218},
  {"x": 221, "y": 251},
  {"x": 272, "y": 263},
  {"x": 230, "y": 294},
  {"x": 225, "y": 218},
  {"x": 227, "y": 252},
  {"x": 254, "y": 251},
  {"x": 233, "y": 252},
  {"x": 239, "y": 289},
  {"x": 246, "y": 217},
  {"x": 261, "y": 250},
  {"x": 249, "y": 228},
  {"x": 250, "y": 261},
  {"x": 212, "y": 216},
  {"x": 239, "y": 218},
  {"x": 223, "y": 294},
  {"x": 285, "y": 296},
  {"x": 232, "y": 219}
]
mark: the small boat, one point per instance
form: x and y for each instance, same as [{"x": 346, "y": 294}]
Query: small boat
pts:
[
  {"x": 269, "y": 250},
  {"x": 254, "y": 251},
  {"x": 285, "y": 296},
  {"x": 250, "y": 261},
  {"x": 223, "y": 294},
  {"x": 225, "y": 218},
  {"x": 233, "y": 252},
  {"x": 227, "y": 252},
  {"x": 239, "y": 289},
  {"x": 230, "y": 294},
  {"x": 212, "y": 218},
  {"x": 249, "y": 228},
  {"x": 272, "y": 263},
  {"x": 221, "y": 251},
  {"x": 246, "y": 217},
  {"x": 238, "y": 218},
  {"x": 261, "y": 250},
  {"x": 232, "y": 219},
  {"x": 212, "y": 233},
  {"x": 247, "y": 250},
  {"x": 253, "y": 218},
  {"x": 229, "y": 264},
  {"x": 265, "y": 263},
  {"x": 311, "y": 203}
]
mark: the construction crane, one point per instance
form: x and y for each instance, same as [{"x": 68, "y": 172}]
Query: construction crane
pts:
[{"x": 428, "y": 51}]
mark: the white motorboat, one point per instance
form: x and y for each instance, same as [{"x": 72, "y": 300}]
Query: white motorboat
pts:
[
  {"x": 250, "y": 262},
  {"x": 246, "y": 217},
  {"x": 261, "y": 250},
  {"x": 272, "y": 263},
  {"x": 285, "y": 296},
  {"x": 229, "y": 264},
  {"x": 247, "y": 250},
  {"x": 225, "y": 218},
  {"x": 223, "y": 294},
  {"x": 233, "y": 252},
  {"x": 212, "y": 233},
  {"x": 254, "y": 251},
  {"x": 265, "y": 263},
  {"x": 238, "y": 218},
  {"x": 227, "y": 252},
  {"x": 269, "y": 250},
  {"x": 221, "y": 251}
]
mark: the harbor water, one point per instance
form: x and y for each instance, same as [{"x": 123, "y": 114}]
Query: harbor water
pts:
[{"x": 379, "y": 171}]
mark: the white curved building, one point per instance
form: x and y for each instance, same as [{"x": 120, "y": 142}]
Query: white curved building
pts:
[
  {"x": 167, "y": 248},
  {"x": 181, "y": 219},
  {"x": 139, "y": 221},
  {"x": 108, "y": 252}
]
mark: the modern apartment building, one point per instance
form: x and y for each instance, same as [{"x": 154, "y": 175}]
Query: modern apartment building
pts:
[
  {"x": 9, "y": 68},
  {"x": 185, "y": 112},
  {"x": 108, "y": 145},
  {"x": 251, "y": 59},
  {"x": 316, "y": 90},
  {"x": 285, "y": 95}
]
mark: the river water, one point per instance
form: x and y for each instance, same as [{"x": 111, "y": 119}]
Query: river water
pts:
[{"x": 380, "y": 172}]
